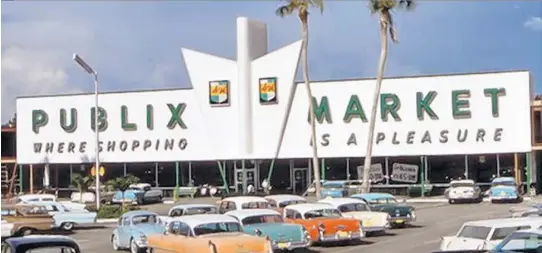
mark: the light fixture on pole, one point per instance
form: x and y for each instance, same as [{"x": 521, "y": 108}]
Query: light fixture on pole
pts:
[{"x": 94, "y": 74}]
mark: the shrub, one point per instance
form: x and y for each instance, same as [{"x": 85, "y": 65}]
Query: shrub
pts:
[{"x": 114, "y": 211}]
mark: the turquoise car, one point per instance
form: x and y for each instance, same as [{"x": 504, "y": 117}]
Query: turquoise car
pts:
[
  {"x": 521, "y": 241},
  {"x": 334, "y": 189},
  {"x": 400, "y": 213},
  {"x": 504, "y": 189},
  {"x": 269, "y": 223},
  {"x": 133, "y": 229},
  {"x": 66, "y": 219}
]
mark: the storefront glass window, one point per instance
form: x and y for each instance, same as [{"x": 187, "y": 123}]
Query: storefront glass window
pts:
[
  {"x": 404, "y": 170},
  {"x": 442, "y": 169},
  {"x": 166, "y": 174},
  {"x": 206, "y": 173},
  {"x": 144, "y": 171},
  {"x": 378, "y": 171},
  {"x": 482, "y": 168},
  {"x": 112, "y": 171},
  {"x": 335, "y": 168}
]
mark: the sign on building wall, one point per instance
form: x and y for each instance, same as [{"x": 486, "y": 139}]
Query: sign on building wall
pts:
[
  {"x": 404, "y": 173},
  {"x": 376, "y": 173},
  {"x": 442, "y": 115}
]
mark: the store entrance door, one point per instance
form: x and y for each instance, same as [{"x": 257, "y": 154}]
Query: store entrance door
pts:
[
  {"x": 252, "y": 176},
  {"x": 300, "y": 179}
]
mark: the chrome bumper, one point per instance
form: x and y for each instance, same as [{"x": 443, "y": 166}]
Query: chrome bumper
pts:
[
  {"x": 376, "y": 229},
  {"x": 336, "y": 237},
  {"x": 401, "y": 220},
  {"x": 142, "y": 244},
  {"x": 291, "y": 245}
]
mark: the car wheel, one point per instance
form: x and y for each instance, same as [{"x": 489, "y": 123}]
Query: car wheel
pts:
[
  {"x": 67, "y": 226},
  {"x": 451, "y": 201},
  {"x": 115, "y": 242},
  {"x": 134, "y": 248},
  {"x": 493, "y": 201}
]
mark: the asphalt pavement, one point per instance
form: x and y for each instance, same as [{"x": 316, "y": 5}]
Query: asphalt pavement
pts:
[{"x": 433, "y": 221}]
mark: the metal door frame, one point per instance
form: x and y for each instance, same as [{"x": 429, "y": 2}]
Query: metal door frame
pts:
[
  {"x": 293, "y": 170},
  {"x": 242, "y": 168}
]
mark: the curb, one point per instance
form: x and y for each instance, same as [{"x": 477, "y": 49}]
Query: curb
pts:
[
  {"x": 442, "y": 200},
  {"x": 103, "y": 221}
]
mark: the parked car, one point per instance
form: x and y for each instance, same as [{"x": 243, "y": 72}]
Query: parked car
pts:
[
  {"x": 7, "y": 229},
  {"x": 486, "y": 234},
  {"x": 138, "y": 194},
  {"x": 521, "y": 241},
  {"x": 504, "y": 189},
  {"x": 37, "y": 198},
  {"x": 372, "y": 221},
  {"x": 40, "y": 243},
  {"x": 242, "y": 202},
  {"x": 213, "y": 233},
  {"x": 280, "y": 201},
  {"x": 324, "y": 223},
  {"x": 133, "y": 230},
  {"x": 463, "y": 191},
  {"x": 27, "y": 219},
  {"x": 188, "y": 209},
  {"x": 269, "y": 223},
  {"x": 66, "y": 219},
  {"x": 526, "y": 211},
  {"x": 334, "y": 189},
  {"x": 400, "y": 213}
]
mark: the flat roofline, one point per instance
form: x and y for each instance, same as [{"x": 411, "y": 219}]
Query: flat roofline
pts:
[{"x": 297, "y": 82}]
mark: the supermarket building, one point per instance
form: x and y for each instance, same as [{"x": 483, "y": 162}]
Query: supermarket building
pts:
[{"x": 226, "y": 128}]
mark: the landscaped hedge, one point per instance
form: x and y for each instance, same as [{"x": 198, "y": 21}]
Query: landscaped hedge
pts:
[{"x": 112, "y": 211}]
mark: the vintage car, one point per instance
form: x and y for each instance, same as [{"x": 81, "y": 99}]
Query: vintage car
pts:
[
  {"x": 358, "y": 209},
  {"x": 334, "y": 189},
  {"x": 242, "y": 202},
  {"x": 279, "y": 201},
  {"x": 521, "y": 241},
  {"x": 7, "y": 229},
  {"x": 526, "y": 211},
  {"x": 400, "y": 213},
  {"x": 269, "y": 223},
  {"x": 214, "y": 233},
  {"x": 138, "y": 194},
  {"x": 324, "y": 223},
  {"x": 504, "y": 189},
  {"x": 36, "y": 198},
  {"x": 66, "y": 219},
  {"x": 133, "y": 230},
  {"x": 486, "y": 234},
  {"x": 463, "y": 191},
  {"x": 188, "y": 209},
  {"x": 27, "y": 219},
  {"x": 40, "y": 243}
]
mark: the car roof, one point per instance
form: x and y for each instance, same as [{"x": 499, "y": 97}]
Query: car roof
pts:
[
  {"x": 243, "y": 213},
  {"x": 373, "y": 196},
  {"x": 503, "y": 179},
  {"x": 31, "y": 239},
  {"x": 504, "y": 222},
  {"x": 198, "y": 219},
  {"x": 27, "y": 196},
  {"x": 191, "y": 206},
  {"x": 306, "y": 207},
  {"x": 462, "y": 181},
  {"x": 245, "y": 199},
  {"x": 341, "y": 201},
  {"x": 532, "y": 231},
  {"x": 284, "y": 197},
  {"x": 139, "y": 212},
  {"x": 334, "y": 182}
]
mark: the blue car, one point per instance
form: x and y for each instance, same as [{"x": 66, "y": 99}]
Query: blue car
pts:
[
  {"x": 133, "y": 229},
  {"x": 67, "y": 219},
  {"x": 138, "y": 194},
  {"x": 521, "y": 241},
  {"x": 334, "y": 189},
  {"x": 504, "y": 189}
]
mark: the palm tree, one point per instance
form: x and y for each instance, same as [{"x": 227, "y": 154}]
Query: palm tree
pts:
[
  {"x": 383, "y": 8},
  {"x": 302, "y": 8},
  {"x": 122, "y": 184},
  {"x": 82, "y": 184}
]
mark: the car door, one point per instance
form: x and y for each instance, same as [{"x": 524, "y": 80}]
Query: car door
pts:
[{"x": 123, "y": 231}]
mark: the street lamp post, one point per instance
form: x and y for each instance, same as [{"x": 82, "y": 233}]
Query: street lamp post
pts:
[{"x": 94, "y": 74}]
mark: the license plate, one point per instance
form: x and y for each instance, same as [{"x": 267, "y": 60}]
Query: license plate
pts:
[
  {"x": 343, "y": 234},
  {"x": 367, "y": 223},
  {"x": 399, "y": 221},
  {"x": 282, "y": 245}
]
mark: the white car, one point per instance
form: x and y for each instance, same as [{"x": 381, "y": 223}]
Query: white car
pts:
[
  {"x": 486, "y": 234},
  {"x": 242, "y": 202},
  {"x": 282, "y": 200},
  {"x": 7, "y": 229},
  {"x": 358, "y": 209},
  {"x": 463, "y": 191},
  {"x": 37, "y": 198},
  {"x": 188, "y": 209}
]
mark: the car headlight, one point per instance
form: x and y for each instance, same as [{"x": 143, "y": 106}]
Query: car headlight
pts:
[
  {"x": 413, "y": 214},
  {"x": 142, "y": 237}
]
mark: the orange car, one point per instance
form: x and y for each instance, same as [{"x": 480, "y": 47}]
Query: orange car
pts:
[
  {"x": 324, "y": 222},
  {"x": 213, "y": 233}
]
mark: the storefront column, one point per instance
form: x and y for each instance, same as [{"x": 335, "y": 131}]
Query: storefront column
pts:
[
  {"x": 176, "y": 191},
  {"x": 244, "y": 173},
  {"x": 466, "y": 167},
  {"x": 190, "y": 183},
  {"x": 156, "y": 174},
  {"x": 517, "y": 175},
  {"x": 386, "y": 164},
  {"x": 528, "y": 178},
  {"x": 422, "y": 176},
  {"x": 347, "y": 168},
  {"x": 124, "y": 169},
  {"x": 71, "y": 174},
  {"x": 21, "y": 178},
  {"x": 323, "y": 169},
  {"x": 498, "y": 166},
  {"x": 31, "y": 178}
]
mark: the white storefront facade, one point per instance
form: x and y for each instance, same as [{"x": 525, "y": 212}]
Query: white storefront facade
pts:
[{"x": 235, "y": 111}]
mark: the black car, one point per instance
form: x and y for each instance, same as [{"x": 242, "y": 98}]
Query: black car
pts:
[{"x": 60, "y": 244}]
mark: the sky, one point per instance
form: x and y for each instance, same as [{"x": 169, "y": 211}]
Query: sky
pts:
[{"x": 137, "y": 44}]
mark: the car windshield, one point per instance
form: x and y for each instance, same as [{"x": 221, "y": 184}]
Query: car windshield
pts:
[
  {"x": 332, "y": 185},
  {"x": 383, "y": 201},
  {"x": 200, "y": 210},
  {"x": 217, "y": 227},
  {"x": 49, "y": 250},
  {"x": 455, "y": 185},
  {"x": 257, "y": 219},
  {"x": 504, "y": 183},
  {"x": 144, "y": 218},
  {"x": 291, "y": 202},
  {"x": 256, "y": 205},
  {"x": 322, "y": 213},
  {"x": 475, "y": 232},
  {"x": 354, "y": 207},
  {"x": 522, "y": 241}
]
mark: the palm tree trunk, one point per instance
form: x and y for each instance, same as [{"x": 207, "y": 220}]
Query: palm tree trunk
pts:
[
  {"x": 305, "y": 56},
  {"x": 384, "y": 22}
]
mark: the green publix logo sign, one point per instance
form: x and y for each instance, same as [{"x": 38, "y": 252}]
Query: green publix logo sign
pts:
[
  {"x": 69, "y": 124},
  {"x": 390, "y": 105}
]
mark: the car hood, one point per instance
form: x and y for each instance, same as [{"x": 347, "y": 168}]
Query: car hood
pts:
[
  {"x": 237, "y": 242},
  {"x": 149, "y": 229},
  {"x": 277, "y": 231}
]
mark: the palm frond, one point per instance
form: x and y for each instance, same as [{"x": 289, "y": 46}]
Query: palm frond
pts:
[
  {"x": 301, "y": 6},
  {"x": 284, "y": 10}
]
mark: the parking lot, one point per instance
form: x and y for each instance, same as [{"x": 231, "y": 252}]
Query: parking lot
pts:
[{"x": 434, "y": 221}]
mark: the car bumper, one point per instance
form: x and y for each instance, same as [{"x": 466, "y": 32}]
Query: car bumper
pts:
[
  {"x": 504, "y": 198},
  {"x": 401, "y": 220},
  {"x": 337, "y": 237},
  {"x": 463, "y": 198},
  {"x": 142, "y": 244},
  {"x": 291, "y": 245},
  {"x": 376, "y": 229}
]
